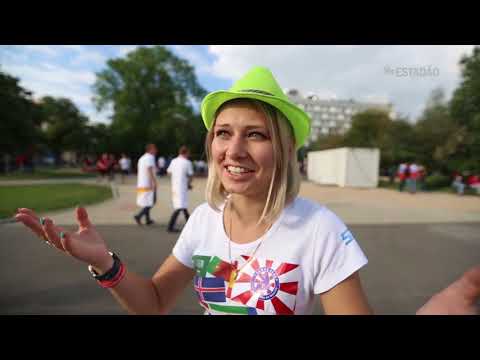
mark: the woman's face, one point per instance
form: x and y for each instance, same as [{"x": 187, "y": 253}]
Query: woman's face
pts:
[{"x": 242, "y": 150}]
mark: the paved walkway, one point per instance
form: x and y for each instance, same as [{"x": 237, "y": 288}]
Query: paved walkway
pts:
[{"x": 354, "y": 206}]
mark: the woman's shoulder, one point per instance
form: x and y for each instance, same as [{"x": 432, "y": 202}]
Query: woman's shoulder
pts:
[
  {"x": 205, "y": 210},
  {"x": 313, "y": 213}
]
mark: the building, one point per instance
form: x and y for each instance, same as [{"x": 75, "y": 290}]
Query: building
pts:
[{"x": 332, "y": 116}]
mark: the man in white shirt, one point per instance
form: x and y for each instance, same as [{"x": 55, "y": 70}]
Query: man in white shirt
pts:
[
  {"x": 146, "y": 184},
  {"x": 161, "y": 166},
  {"x": 181, "y": 171},
  {"x": 125, "y": 164}
]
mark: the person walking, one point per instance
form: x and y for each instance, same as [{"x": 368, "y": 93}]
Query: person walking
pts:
[
  {"x": 181, "y": 171},
  {"x": 146, "y": 184}
]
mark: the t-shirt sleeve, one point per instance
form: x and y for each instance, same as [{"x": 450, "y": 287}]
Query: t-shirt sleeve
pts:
[
  {"x": 150, "y": 161},
  {"x": 169, "y": 169},
  {"x": 337, "y": 254},
  {"x": 185, "y": 246}
]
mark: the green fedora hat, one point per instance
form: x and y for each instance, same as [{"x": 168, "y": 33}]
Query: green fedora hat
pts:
[{"x": 259, "y": 84}]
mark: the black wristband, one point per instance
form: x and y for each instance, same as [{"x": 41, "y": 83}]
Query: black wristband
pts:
[{"x": 110, "y": 274}]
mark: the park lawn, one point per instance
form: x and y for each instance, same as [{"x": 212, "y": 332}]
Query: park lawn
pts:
[
  {"x": 64, "y": 173},
  {"x": 49, "y": 197}
]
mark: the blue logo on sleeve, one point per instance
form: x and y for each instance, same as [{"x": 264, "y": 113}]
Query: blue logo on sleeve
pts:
[{"x": 347, "y": 237}]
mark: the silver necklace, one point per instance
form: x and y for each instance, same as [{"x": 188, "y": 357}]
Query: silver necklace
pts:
[{"x": 235, "y": 272}]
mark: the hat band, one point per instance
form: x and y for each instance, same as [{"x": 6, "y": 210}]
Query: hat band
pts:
[{"x": 257, "y": 91}]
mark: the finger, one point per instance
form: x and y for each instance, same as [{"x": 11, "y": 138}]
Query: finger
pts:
[
  {"x": 28, "y": 212},
  {"x": 52, "y": 233},
  {"x": 66, "y": 241},
  {"x": 82, "y": 217},
  {"x": 31, "y": 223}
]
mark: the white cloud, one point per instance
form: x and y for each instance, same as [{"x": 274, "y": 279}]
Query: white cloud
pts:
[
  {"x": 342, "y": 71},
  {"x": 49, "y": 50},
  {"x": 51, "y": 73},
  {"x": 85, "y": 56}
]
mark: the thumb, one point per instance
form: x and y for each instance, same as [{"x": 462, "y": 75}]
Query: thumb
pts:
[
  {"x": 82, "y": 217},
  {"x": 468, "y": 286}
]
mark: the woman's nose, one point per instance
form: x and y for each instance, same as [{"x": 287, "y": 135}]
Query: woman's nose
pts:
[{"x": 236, "y": 147}]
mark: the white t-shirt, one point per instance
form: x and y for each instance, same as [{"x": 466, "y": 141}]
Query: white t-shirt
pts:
[
  {"x": 143, "y": 177},
  {"x": 124, "y": 163},
  {"x": 307, "y": 251},
  {"x": 180, "y": 168},
  {"x": 161, "y": 162}
]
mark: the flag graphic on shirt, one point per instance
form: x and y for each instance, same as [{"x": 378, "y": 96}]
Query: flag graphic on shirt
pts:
[
  {"x": 210, "y": 289},
  {"x": 200, "y": 264},
  {"x": 267, "y": 285},
  {"x": 220, "y": 268},
  {"x": 262, "y": 286}
]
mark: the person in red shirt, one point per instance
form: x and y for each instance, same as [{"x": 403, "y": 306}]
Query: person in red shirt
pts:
[{"x": 103, "y": 165}]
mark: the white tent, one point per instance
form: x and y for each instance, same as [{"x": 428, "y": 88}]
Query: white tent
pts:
[{"x": 355, "y": 167}]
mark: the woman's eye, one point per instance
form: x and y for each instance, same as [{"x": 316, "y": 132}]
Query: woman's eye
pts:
[
  {"x": 257, "y": 135},
  {"x": 221, "y": 133}
]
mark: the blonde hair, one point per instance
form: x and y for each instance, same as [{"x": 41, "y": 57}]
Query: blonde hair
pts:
[{"x": 285, "y": 182}]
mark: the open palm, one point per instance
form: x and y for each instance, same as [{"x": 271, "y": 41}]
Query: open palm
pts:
[{"x": 85, "y": 244}]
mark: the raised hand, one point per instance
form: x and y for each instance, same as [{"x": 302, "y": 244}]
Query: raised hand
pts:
[
  {"x": 85, "y": 244},
  {"x": 460, "y": 298}
]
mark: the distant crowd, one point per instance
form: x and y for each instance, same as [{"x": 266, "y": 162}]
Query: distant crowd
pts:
[{"x": 107, "y": 165}]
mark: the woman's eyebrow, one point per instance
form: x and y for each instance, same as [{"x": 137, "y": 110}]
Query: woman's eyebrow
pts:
[
  {"x": 222, "y": 125},
  {"x": 257, "y": 127}
]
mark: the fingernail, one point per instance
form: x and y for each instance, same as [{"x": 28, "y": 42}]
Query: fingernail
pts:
[
  {"x": 42, "y": 221},
  {"x": 62, "y": 235}
]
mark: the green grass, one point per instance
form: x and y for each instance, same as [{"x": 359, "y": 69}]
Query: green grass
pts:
[
  {"x": 49, "y": 197},
  {"x": 48, "y": 174}
]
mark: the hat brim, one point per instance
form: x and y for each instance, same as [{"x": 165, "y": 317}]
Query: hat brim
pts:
[{"x": 298, "y": 119}]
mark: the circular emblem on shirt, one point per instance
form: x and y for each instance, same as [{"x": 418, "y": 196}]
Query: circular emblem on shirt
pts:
[{"x": 265, "y": 281}]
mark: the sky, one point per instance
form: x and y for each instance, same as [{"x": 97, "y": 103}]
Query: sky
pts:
[{"x": 403, "y": 75}]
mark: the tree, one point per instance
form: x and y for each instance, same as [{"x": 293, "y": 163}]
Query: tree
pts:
[
  {"x": 436, "y": 133},
  {"x": 64, "y": 126},
  {"x": 370, "y": 129},
  {"x": 325, "y": 142},
  {"x": 465, "y": 111},
  {"x": 19, "y": 119},
  {"x": 400, "y": 143},
  {"x": 150, "y": 91}
]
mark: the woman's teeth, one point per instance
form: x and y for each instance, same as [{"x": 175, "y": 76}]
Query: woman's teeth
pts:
[{"x": 236, "y": 170}]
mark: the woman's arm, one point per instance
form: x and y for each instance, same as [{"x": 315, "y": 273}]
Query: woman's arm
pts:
[
  {"x": 136, "y": 294},
  {"x": 139, "y": 295},
  {"x": 346, "y": 298}
]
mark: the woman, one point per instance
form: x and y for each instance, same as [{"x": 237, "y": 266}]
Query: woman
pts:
[{"x": 255, "y": 247}]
